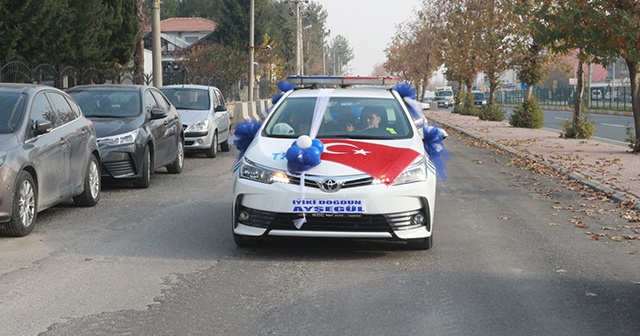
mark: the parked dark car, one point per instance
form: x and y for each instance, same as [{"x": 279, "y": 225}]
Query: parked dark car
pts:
[
  {"x": 138, "y": 130},
  {"x": 48, "y": 154}
]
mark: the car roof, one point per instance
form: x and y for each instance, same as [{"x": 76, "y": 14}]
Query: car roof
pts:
[
  {"x": 345, "y": 92},
  {"x": 188, "y": 86},
  {"x": 111, "y": 87},
  {"x": 24, "y": 87}
]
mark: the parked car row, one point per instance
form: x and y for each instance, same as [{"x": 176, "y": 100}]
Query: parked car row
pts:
[{"x": 57, "y": 145}]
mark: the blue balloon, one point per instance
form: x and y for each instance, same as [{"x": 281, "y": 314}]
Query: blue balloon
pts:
[
  {"x": 293, "y": 153},
  {"x": 318, "y": 144},
  {"x": 311, "y": 156}
]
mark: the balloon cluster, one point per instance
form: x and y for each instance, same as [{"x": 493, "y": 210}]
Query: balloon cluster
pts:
[
  {"x": 433, "y": 137},
  {"x": 408, "y": 94},
  {"x": 284, "y": 86},
  {"x": 304, "y": 154},
  {"x": 244, "y": 134}
]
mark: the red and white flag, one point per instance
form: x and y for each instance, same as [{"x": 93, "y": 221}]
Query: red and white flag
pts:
[{"x": 380, "y": 161}]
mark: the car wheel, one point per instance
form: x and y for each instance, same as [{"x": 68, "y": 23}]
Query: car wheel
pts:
[
  {"x": 144, "y": 181},
  {"x": 212, "y": 151},
  {"x": 91, "y": 193},
  {"x": 176, "y": 166},
  {"x": 421, "y": 244},
  {"x": 23, "y": 209},
  {"x": 224, "y": 146}
]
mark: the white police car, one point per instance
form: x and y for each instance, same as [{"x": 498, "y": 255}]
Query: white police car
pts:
[{"x": 335, "y": 162}]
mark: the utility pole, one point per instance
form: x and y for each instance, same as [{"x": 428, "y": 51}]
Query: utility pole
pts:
[
  {"x": 299, "y": 50},
  {"x": 155, "y": 45},
  {"x": 298, "y": 39},
  {"x": 251, "y": 49}
]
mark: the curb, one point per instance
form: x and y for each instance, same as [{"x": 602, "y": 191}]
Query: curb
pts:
[{"x": 613, "y": 194}]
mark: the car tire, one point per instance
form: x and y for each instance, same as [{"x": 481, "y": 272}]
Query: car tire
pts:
[
  {"x": 24, "y": 208},
  {"x": 144, "y": 181},
  {"x": 244, "y": 241},
  {"x": 421, "y": 244},
  {"x": 212, "y": 151},
  {"x": 178, "y": 164},
  {"x": 224, "y": 146},
  {"x": 91, "y": 193}
]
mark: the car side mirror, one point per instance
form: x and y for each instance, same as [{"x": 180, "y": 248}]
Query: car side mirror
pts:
[
  {"x": 220, "y": 108},
  {"x": 42, "y": 126},
  {"x": 158, "y": 114}
]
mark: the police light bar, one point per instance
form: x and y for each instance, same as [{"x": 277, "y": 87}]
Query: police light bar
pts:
[{"x": 343, "y": 80}]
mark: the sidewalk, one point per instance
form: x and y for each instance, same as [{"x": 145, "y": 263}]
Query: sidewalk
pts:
[{"x": 601, "y": 166}]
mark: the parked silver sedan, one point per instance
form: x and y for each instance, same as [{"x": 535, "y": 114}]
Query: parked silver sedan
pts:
[
  {"x": 204, "y": 115},
  {"x": 48, "y": 154}
]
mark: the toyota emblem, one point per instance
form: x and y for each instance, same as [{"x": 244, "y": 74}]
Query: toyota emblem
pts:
[{"x": 330, "y": 185}]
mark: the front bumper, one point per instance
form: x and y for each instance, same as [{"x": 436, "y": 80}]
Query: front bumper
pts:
[
  {"x": 266, "y": 210},
  {"x": 198, "y": 140},
  {"x": 119, "y": 161}
]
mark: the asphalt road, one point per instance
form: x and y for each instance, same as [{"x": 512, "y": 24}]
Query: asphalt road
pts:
[
  {"x": 508, "y": 259},
  {"x": 609, "y": 128}
]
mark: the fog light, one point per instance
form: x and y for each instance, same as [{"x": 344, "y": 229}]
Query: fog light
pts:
[
  {"x": 418, "y": 219},
  {"x": 200, "y": 142},
  {"x": 244, "y": 216}
]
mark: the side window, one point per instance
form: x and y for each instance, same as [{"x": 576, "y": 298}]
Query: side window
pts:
[
  {"x": 149, "y": 102},
  {"x": 42, "y": 110},
  {"x": 162, "y": 103},
  {"x": 219, "y": 97},
  {"x": 62, "y": 108},
  {"x": 74, "y": 107}
]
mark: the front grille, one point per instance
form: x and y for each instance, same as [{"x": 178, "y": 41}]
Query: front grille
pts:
[
  {"x": 314, "y": 181},
  {"x": 332, "y": 222},
  {"x": 117, "y": 168},
  {"x": 189, "y": 142}
]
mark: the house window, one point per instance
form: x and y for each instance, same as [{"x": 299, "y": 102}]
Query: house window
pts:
[{"x": 191, "y": 39}]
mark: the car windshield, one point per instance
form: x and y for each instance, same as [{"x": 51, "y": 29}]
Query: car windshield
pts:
[
  {"x": 11, "y": 109},
  {"x": 444, "y": 93},
  {"x": 345, "y": 117},
  {"x": 188, "y": 98},
  {"x": 478, "y": 95},
  {"x": 108, "y": 103}
]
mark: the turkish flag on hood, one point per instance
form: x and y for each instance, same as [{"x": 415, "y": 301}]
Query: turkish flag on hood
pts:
[{"x": 380, "y": 161}]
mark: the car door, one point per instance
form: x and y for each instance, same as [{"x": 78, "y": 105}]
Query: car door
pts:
[
  {"x": 49, "y": 154},
  {"x": 221, "y": 117},
  {"x": 76, "y": 133},
  {"x": 173, "y": 125}
]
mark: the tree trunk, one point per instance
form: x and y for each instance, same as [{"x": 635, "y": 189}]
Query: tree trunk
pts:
[
  {"x": 138, "y": 53},
  {"x": 634, "y": 76},
  {"x": 577, "y": 97}
]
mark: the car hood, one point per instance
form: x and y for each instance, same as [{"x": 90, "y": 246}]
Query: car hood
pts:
[
  {"x": 270, "y": 152},
  {"x": 114, "y": 126},
  {"x": 190, "y": 117},
  {"x": 8, "y": 141}
]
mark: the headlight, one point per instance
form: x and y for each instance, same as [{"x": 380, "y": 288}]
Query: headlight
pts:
[
  {"x": 120, "y": 139},
  {"x": 415, "y": 173},
  {"x": 261, "y": 174},
  {"x": 202, "y": 125}
]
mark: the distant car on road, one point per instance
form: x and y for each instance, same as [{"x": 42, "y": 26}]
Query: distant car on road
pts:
[
  {"x": 48, "y": 154},
  {"x": 138, "y": 129},
  {"x": 204, "y": 114},
  {"x": 479, "y": 99},
  {"x": 442, "y": 101}
]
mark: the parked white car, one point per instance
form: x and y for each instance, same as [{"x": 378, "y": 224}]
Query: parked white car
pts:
[
  {"x": 373, "y": 180},
  {"x": 204, "y": 115}
]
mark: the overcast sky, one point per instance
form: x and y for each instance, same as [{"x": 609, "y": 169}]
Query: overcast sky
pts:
[{"x": 368, "y": 25}]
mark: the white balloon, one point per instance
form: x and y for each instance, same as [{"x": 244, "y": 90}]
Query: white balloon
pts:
[{"x": 304, "y": 141}]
